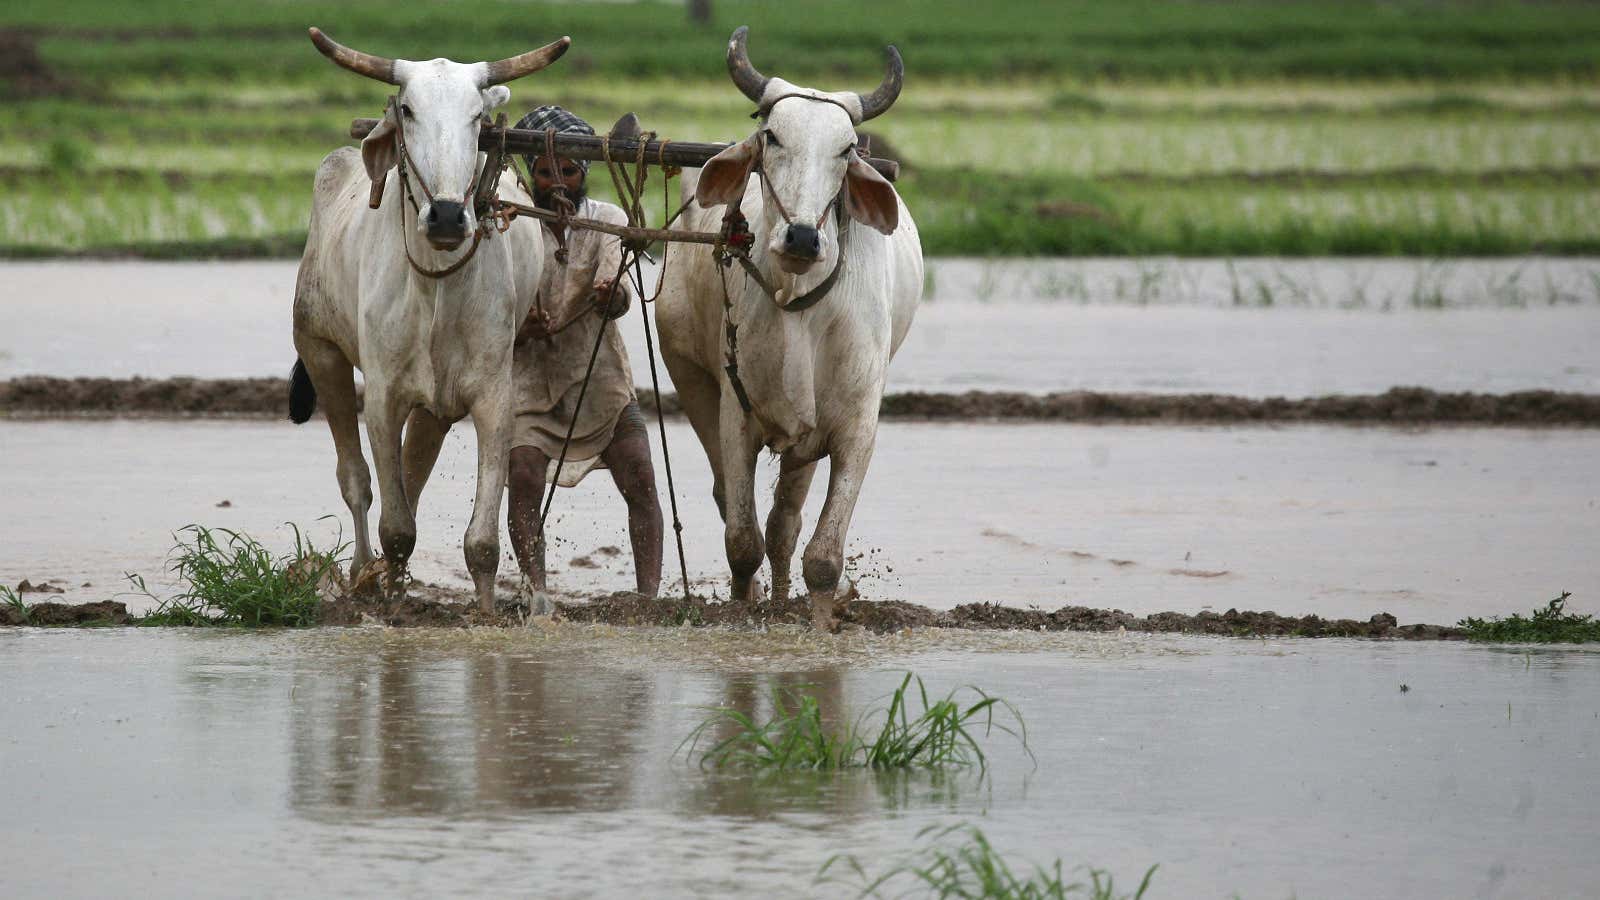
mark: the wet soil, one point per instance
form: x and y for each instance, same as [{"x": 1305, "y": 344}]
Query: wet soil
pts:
[
  {"x": 268, "y": 397},
  {"x": 435, "y": 606},
  {"x": 104, "y": 612}
]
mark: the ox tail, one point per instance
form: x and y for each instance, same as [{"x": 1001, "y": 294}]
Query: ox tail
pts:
[{"x": 302, "y": 394}]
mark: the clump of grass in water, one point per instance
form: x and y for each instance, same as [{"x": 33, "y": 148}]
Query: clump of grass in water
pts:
[
  {"x": 14, "y": 600},
  {"x": 975, "y": 869},
  {"x": 1546, "y": 626},
  {"x": 235, "y": 580},
  {"x": 943, "y": 735}
]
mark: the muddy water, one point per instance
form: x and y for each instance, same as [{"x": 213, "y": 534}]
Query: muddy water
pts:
[
  {"x": 1032, "y": 326},
  {"x": 1430, "y": 526},
  {"x": 381, "y": 763}
]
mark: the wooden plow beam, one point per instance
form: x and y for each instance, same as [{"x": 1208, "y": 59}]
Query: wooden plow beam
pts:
[{"x": 683, "y": 154}]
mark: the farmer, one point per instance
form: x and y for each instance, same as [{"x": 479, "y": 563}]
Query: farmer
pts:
[{"x": 579, "y": 296}]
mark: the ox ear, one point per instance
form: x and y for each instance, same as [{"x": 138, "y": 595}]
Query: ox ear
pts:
[
  {"x": 869, "y": 198},
  {"x": 495, "y": 97},
  {"x": 723, "y": 177},
  {"x": 378, "y": 149}
]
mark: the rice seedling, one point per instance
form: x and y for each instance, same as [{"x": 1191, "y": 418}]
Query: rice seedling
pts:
[
  {"x": 1261, "y": 144},
  {"x": 14, "y": 602},
  {"x": 1550, "y": 625},
  {"x": 945, "y": 733},
  {"x": 232, "y": 579},
  {"x": 973, "y": 868},
  {"x": 1129, "y": 41}
]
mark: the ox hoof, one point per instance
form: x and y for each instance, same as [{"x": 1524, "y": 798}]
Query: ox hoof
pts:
[
  {"x": 532, "y": 601},
  {"x": 371, "y": 581},
  {"x": 780, "y": 590},
  {"x": 750, "y": 591},
  {"x": 828, "y": 607}
]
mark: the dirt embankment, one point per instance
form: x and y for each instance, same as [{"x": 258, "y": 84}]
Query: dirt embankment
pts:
[
  {"x": 438, "y": 607},
  {"x": 39, "y": 395},
  {"x": 632, "y": 609},
  {"x": 268, "y": 398}
]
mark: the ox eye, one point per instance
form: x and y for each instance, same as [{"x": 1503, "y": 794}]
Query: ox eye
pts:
[
  {"x": 845, "y": 154},
  {"x": 406, "y": 111},
  {"x": 772, "y": 138}
]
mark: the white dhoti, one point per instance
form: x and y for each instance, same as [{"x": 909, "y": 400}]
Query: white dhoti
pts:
[{"x": 548, "y": 374}]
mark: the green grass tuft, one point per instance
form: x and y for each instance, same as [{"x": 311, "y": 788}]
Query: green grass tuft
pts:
[
  {"x": 1546, "y": 626},
  {"x": 944, "y": 734},
  {"x": 12, "y": 600},
  {"x": 234, "y": 580},
  {"x": 974, "y": 869}
]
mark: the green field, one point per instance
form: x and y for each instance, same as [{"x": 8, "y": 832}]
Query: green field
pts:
[{"x": 1035, "y": 128}]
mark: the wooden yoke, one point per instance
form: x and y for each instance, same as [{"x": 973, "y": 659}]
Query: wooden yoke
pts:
[{"x": 686, "y": 154}]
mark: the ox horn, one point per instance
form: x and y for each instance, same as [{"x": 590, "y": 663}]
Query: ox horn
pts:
[
  {"x": 513, "y": 67},
  {"x": 879, "y": 101},
  {"x": 751, "y": 82},
  {"x": 379, "y": 67}
]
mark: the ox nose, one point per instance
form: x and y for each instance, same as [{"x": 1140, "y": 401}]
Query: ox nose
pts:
[
  {"x": 446, "y": 221},
  {"x": 803, "y": 241}
]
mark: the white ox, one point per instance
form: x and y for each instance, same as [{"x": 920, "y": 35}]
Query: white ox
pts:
[
  {"x": 433, "y": 347},
  {"x": 814, "y": 377}
]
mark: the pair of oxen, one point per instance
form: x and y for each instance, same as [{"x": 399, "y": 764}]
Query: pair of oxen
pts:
[{"x": 390, "y": 289}]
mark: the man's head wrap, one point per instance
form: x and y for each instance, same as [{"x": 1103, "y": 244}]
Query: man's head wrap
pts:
[{"x": 547, "y": 117}]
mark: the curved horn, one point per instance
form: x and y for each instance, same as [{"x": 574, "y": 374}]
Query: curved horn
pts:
[
  {"x": 879, "y": 101},
  {"x": 512, "y": 67},
  {"x": 751, "y": 82},
  {"x": 379, "y": 67}
]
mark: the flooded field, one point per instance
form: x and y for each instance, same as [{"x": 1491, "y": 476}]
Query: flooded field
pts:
[
  {"x": 499, "y": 761},
  {"x": 1167, "y": 326},
  {"x": 1427, "y": 525},
  {"x": 388, "y": 763}
]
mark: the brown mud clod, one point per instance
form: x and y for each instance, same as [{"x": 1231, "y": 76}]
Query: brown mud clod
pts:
[
  {"x": 28, "y": 587},
  {"x": 104, "y": 612}
]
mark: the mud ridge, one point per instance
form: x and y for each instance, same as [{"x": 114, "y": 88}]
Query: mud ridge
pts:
[
  {"x": 42, "y": 396},
  {"x": 434, "y": 606}
]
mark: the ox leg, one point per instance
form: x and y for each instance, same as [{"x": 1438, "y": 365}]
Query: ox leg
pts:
[
  {"x": 824, "y": 556},
  {"x": 741, "y": 534},
  {"x": 334, "y": 379},
  {"x": 699, "y": 395},
  {"x": 492, "y": 419},
  {"x": 419, "y": 451},
  {"x": 397, "y": 524},
  {"x": 783, "y": 522}
]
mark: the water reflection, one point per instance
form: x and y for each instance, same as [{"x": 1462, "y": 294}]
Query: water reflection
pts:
[
  {"x": 477, "y": 734},
  {"x": 395, "y": 732}
]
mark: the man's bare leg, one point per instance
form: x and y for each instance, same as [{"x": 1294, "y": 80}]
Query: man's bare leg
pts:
[
  {"x": 628, "y": 458},
  {"x": 526, "y": 487}
]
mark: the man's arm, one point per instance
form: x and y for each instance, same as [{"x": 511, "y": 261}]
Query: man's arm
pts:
[{"x": 610, "y": 299}]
